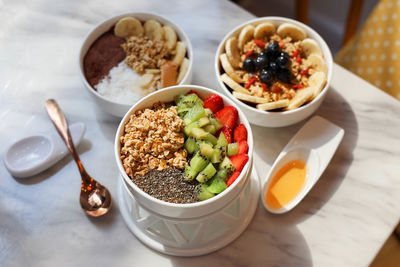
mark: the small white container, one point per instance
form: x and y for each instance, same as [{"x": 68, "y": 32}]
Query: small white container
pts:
[
  {"x": 176, "y": 217},
  {"x": 315, "y": 148},
  {"x": 110, "y": 106},
  {"x": 277, "y": 118}
]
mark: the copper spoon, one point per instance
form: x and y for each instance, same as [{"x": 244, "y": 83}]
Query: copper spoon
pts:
[{"x": 95, "y": 199}]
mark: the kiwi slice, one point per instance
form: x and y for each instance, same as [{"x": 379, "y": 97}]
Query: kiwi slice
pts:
[
  {"x": 227, "y": 165},
  {"x": 206, "y": 174},
  {"x": 191, "y": 145},
  {"x": 217, "y": 185},
  {"x": 203, "y": 193},
  {"x": 233, "y": 149},
  {"x": 206, "y": 150}
]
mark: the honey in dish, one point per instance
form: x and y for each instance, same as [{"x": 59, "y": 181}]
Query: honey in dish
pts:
[{"x": 286, "y": 184}]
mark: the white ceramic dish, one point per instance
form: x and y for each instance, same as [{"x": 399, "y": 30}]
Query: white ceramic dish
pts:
[
  {"x": 112, "y": 107},
  {"x": 315, "y": 148},
  {"x": 192, "y": 210},
  {"x": 36, "y": 153},
  {"x": 281, "y": 118}
]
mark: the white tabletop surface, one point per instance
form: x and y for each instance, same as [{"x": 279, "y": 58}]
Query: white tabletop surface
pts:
[{"x": 343, "y": 221}]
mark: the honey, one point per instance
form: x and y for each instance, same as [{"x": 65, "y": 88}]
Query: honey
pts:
[{"x": 286, "y": 184}]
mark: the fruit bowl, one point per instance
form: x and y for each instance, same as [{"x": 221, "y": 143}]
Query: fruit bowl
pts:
[
  {"x": 191, "y": 210},
  {"x": 277, "y": 112},
  {"x": 112, "y": 106}
]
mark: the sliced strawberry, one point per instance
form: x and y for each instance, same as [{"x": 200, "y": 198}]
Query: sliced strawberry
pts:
[
  {"x": 232, "y": 178},
  {"x": 239, "y": 161},
  {"x": 240, "y": 133},
  {"x": 243, "y": 147},
  {"x": 214, "y": 102},
  {"x": 193, "y": 92},
  {"x": 227, "y": 132},
  {"x": 228, "y": 116}
]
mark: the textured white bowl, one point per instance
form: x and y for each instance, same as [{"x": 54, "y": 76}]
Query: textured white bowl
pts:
[
  {"x": 110, "y": 106},
  {"x": 277, "y": 118},
  {"x": 192, "y": 210}
]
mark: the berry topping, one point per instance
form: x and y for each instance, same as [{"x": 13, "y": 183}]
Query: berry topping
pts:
[
  {"x": 284, "y": 75},
  {"x": 232, "y": 178},
  {"x": 228, "y": 116},
  {"x": 249, "y": 65},
  {"x": 273, "y": 50},
  {"x": 283, "y": 62},
  {"x": 240, "y": 133},
  {"x": 261, "y": 62},
  {"x": 214, "y": 102},
  {"x": 273, "y": 67},
  {"x": 243, "y": 147},
  {"x": 266, "y": 76},
  {"x": 239, "y": 160}
]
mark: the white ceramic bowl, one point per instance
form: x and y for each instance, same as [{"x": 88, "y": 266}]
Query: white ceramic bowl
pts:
[
  {"x": 110, "y": 106},
  {"x": 277, "y": 118},
  {"x": 192, "y": 210}
]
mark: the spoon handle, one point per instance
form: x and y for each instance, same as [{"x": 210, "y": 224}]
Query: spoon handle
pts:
[{"x": 57, "y": 117}]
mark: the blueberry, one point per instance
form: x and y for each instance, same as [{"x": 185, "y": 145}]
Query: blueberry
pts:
[
  {"x": 284, "y": 54},
  {"x": 249, "y": 65},
  {"x": 262, "y": 54},
  {"x": 273, "y": 67},
  {"x": 261, "y": 62},
  {"x": 266, "y": 76},
  {"x": 283, "y": 62},
  {"x": 273, "y": 50},
  {"x": 284, "y": 75}
]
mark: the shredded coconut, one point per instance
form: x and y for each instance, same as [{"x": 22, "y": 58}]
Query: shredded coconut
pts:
[{"x": 119, "y": 85}]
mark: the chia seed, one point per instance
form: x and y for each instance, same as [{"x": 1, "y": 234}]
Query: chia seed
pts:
[{"x": 168, "y": 185}]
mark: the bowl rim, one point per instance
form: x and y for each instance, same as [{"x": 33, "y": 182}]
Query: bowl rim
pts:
[
  {"x": 215, "y": 198},
  {"x": 163, "y": 20},
  {"x": 276, "y": 19}
]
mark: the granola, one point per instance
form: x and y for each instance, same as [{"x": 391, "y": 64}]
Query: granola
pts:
[
  {"x": 153, "y": 139},
  {"x": 144, "y": 53}
]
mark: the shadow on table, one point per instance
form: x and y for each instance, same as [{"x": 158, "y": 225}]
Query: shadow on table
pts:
[
  {"x": 335, "y": 109},
  {"x": 268, "y": 241},
  {"x": 83, "y": 147}
]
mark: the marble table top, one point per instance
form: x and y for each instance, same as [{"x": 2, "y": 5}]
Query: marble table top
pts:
[{"x": 343, "y": 221}]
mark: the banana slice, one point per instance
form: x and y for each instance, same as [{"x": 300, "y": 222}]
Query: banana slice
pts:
[
  {"x": 291, "y": 30},
  {"x": 128, "y": 26},
  {"x": 145, "y": 80},
  {"x": 180, "y": 53},
  {"x": 246, "y": 35},
  {"x": 249, "y": 98},
  {"x": 310, "y": 46},
  {"x": 273, "y": 105},
  {"x": 300, "y": 98},
  {"x": 317, "y": 81},
  {"x": 232, "y": 52},
  {"x": 264, "y": 29},
  {"x": 317, "y": 62},
  {"x": 153, "y": 30},
  {"x": 183, "y": 69},
  {"x": 229, "y": 69},
  {"x": 170, "y": 37},
  {"x": 233, "y": 85}
]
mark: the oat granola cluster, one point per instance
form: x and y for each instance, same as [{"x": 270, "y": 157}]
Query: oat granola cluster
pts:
[
  {"x": 153, "y": 139},
  {"x": 144, "y": 53}
]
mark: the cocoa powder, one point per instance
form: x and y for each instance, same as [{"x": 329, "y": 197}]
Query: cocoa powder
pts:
[{"x": 104, "y": 54}]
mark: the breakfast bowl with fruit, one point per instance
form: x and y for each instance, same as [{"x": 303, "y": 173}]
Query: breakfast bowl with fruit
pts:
[
  {"x": 184, "y": 155},
  {"x": 129, "y": 56},
  {"x": 277, "y": 70}
]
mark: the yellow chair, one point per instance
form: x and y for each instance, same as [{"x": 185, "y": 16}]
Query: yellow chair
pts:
[{"x": 374, "y": 52}]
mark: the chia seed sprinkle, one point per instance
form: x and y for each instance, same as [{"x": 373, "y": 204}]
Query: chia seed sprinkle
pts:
[{"x": 168, "y": 185}]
